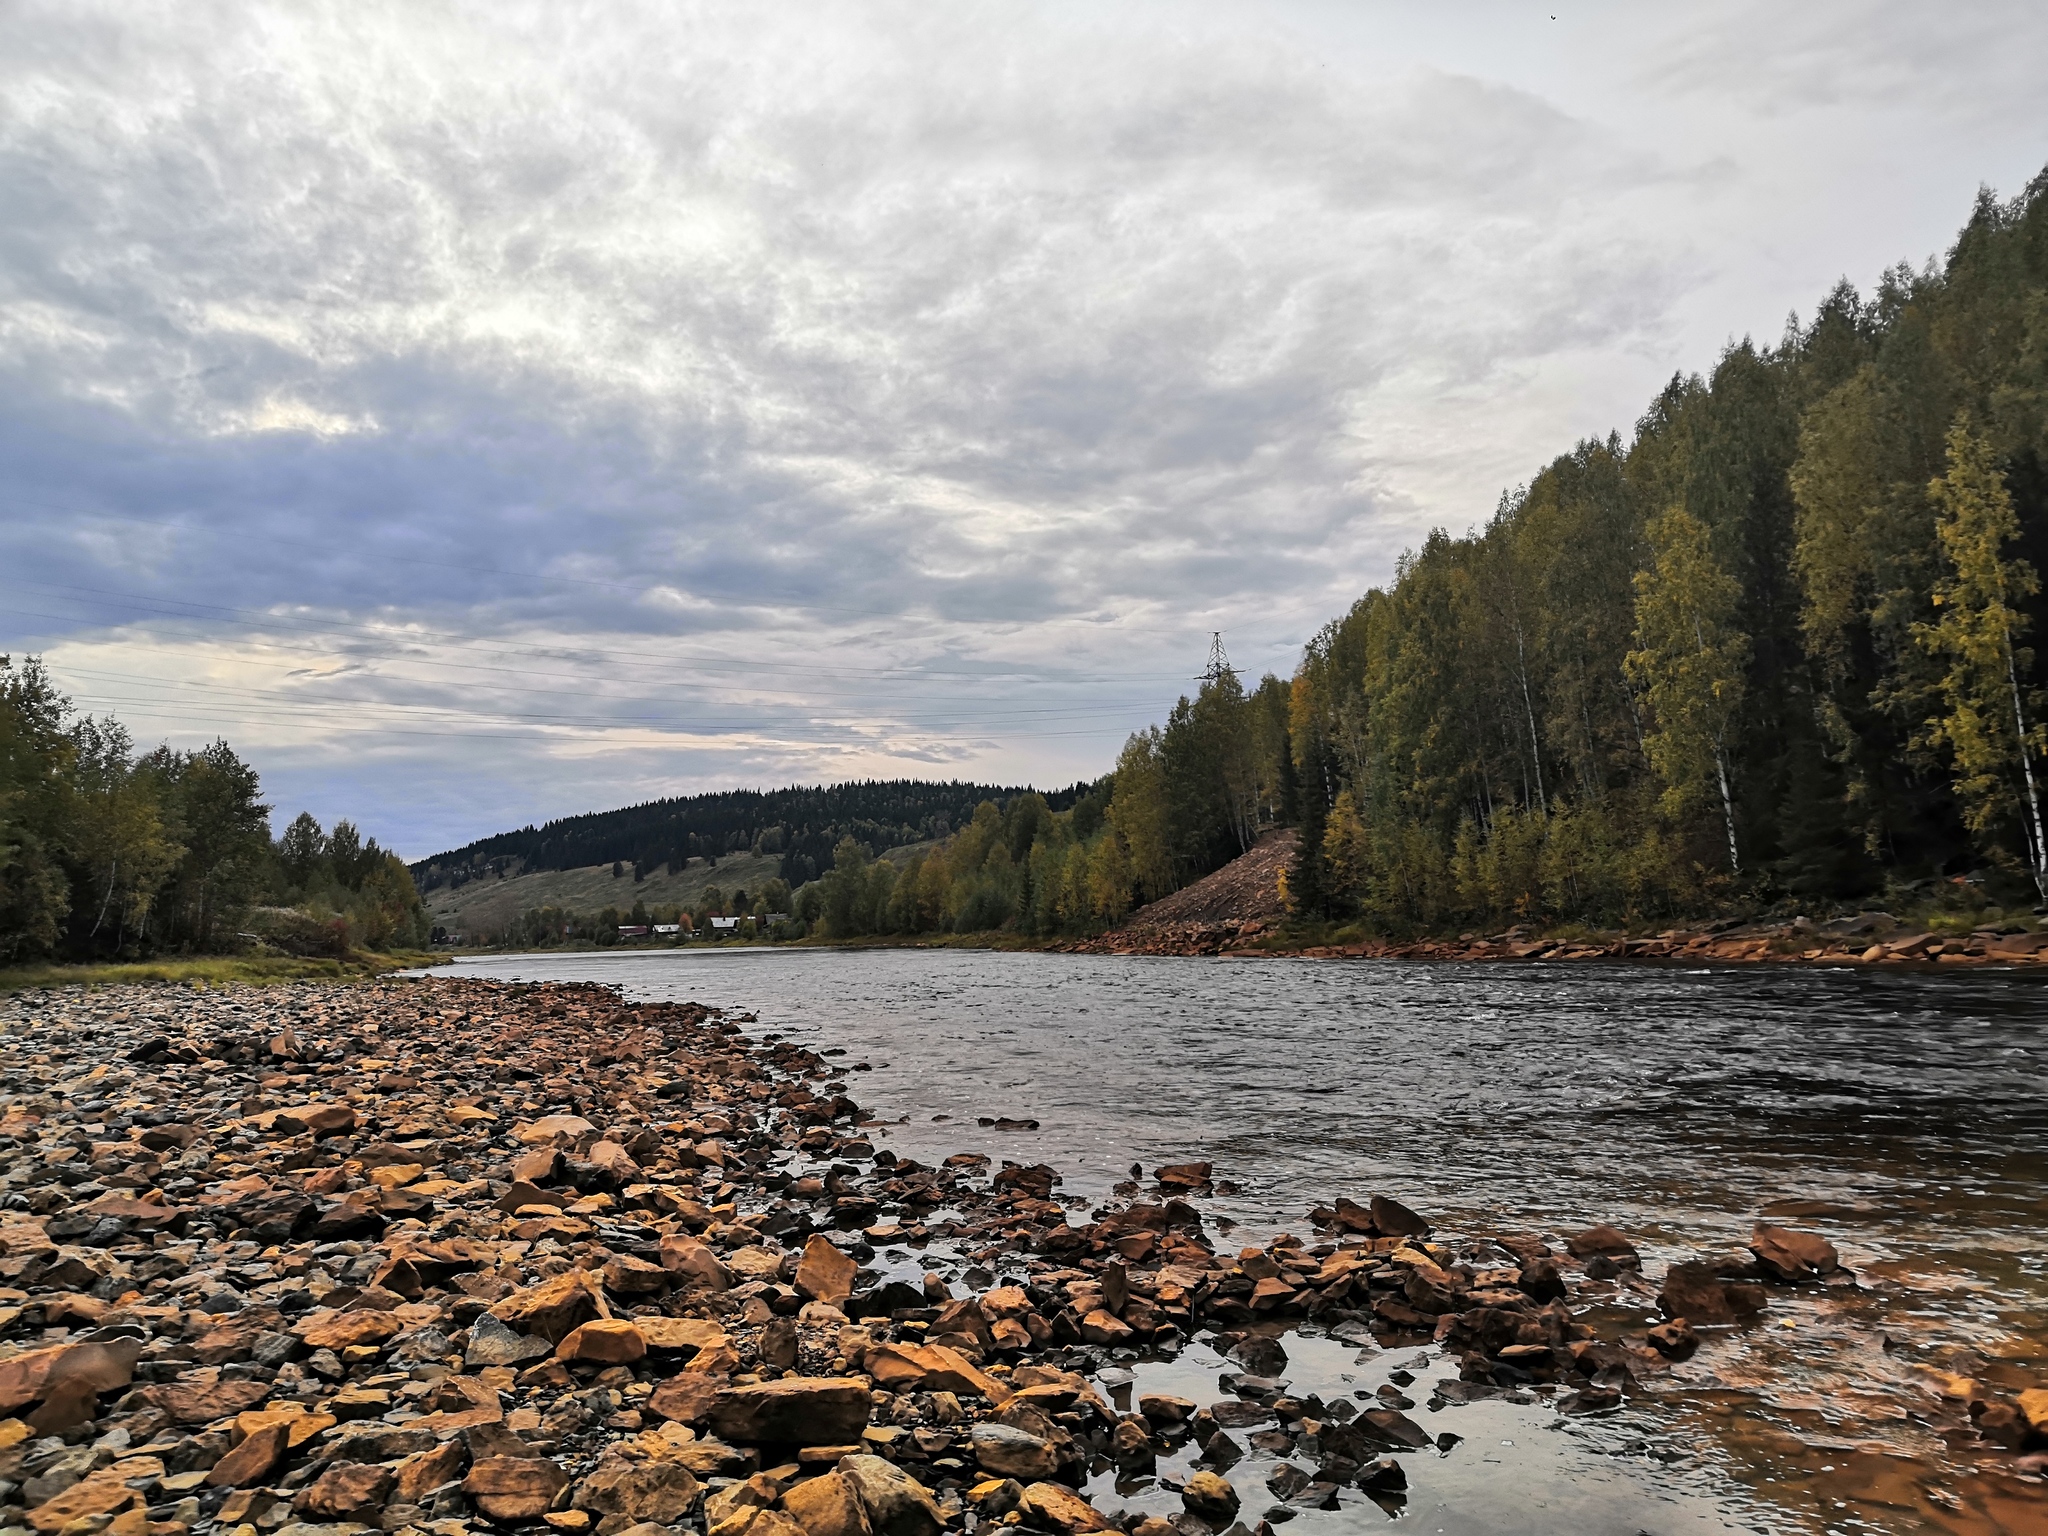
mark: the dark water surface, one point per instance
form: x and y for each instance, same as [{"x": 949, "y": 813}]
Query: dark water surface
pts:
[{"x": 1677, "y": 1104}]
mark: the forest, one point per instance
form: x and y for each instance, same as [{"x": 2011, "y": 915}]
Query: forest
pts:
[
  {"x": 106, "y": 853},
  {"x": 1773, "y": 649},
  {"x": 802, "y": 825}
]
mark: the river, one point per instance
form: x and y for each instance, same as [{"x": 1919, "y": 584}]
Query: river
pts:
[{"x": 1904, "y": 1116}]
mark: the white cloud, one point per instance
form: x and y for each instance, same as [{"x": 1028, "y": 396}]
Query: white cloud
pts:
[{"x": 1030, "y": 342}]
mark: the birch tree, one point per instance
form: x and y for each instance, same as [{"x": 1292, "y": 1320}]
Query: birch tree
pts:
[
  {"x": 1689, "y": 659},
  {"x": 1984, "y": 721}
]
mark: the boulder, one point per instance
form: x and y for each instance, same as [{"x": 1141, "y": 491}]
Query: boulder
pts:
[
  {"x": 1054, "y": 1507},
  {"x": 687, "y": 1398},
  {"x": 675, "y": 1334},
  {"x": 1005, "y": 1452},
  {"x": 695, "y": 1263},
  {"x": 1674, "y": 1340},
  {"x": 1694, "y": 1292},
  {"x": 1793, "y": 1256},
  {"x": 625, "y": 1275},
  {"x": 752, "y": 1520},
  {"x": 339, "y": 1330},
  {"x": 492, "y": 1343},
  {"x": 203, "y": 1402},
  {"x": 896, "y": 1503},
  {"x": 824, "y": 1273},
  {"x": 514, "y": 1488},
  {"x": 1606, "y": 1243},
  {"x": 33, "y": 1375},
  {"x": 352, "y": 1491},
  {"x": 1390, "y": 1218},
  {"x": 101, "y": 1493},
  {"x": 661, "y": 1491},
  {"x": 930, "y": 1368},
  {"x": 605, "y": 1341},
  {"x": 422, "y": 1472},
  {"x": 1210, "y": 1499},
  {"x": 795, "y": 1410},
  {"x": 553, "y": 1131},
  {"x": 250, "y": 1464},
  {"x": 827, "y": 1506},
  {"x": 553, "y": 1309}
]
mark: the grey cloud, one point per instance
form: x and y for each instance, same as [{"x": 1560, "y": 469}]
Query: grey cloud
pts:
[{"x": 785, "y": 370}]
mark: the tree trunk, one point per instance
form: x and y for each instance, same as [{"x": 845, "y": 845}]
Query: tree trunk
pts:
[
  {"x": 2019, "y": 720},
  {"x": 113, "y": 870},
  {"x": 1727, "y": 804},
  {"x": 1529, "y": 709}
]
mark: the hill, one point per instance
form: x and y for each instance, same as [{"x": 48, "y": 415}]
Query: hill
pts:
[{"x": 797, "y": 828}]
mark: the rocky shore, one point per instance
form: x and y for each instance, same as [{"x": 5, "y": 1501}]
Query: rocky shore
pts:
[
  {"x": 1866, "y": 938},
  {"x": 440, "y": 1256}
]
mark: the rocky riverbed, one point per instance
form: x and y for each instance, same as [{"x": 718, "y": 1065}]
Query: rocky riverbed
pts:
[
  {"x": 442, "y": 1256},
  {"x": 1864, "y": 938}
]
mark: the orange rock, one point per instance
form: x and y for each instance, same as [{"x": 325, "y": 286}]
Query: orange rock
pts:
[
  {"x": 30, "y": 1377},
  {"x": 509, "y": 1488},
  {"x": 329, "y": 1329},
  {"x": 554, "y": 1308},
  {"x": 679, "y": 1333},
  {"x": 251, "y": 1462},
  {"x": 930, "y": 1368},
  {"x": 607, "y": 1341},
  {"x": 105, "y": 1492},
  {"x": 824, "y": 1273},
  {"x": 687, "y": 1398},
  {"x": 351, "y": 1491}
]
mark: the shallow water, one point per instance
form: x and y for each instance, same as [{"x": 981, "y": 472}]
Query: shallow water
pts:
[{"x": 1910, "y": 1110}]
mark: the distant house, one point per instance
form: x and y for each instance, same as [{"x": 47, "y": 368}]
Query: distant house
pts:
[
  {"x": 725, "y": 924},
  {"x": 632, "y": 931},
  {"x": 668, "y": 928}
]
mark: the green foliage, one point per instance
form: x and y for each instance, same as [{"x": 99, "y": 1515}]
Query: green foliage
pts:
[
  {"x": 1768, "y": 647},
  {"x": 1689, "y": 660},
  {"x": 104, "y": 854},
  {"x": 801, "y": 825},
  {"x": 1985, "y": 722}
]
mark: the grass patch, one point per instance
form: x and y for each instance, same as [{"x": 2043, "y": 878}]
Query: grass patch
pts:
[{"x": 214, "y": 970}]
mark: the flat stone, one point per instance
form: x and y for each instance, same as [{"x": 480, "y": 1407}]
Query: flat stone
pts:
[
  {"x": 606, "y": 1341},
  {"x": 661, "y": 1491},
  {"x": 354, "y": 1491},
  {"x": 508, "y": 1488},
  {"x": 798, "y": 1410}
]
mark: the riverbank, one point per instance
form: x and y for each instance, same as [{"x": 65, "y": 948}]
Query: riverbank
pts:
[
  {"x": 1868, "y": 938},
  {"x": 217, "y": 970},
  {"x": 447, "y": 1253}
]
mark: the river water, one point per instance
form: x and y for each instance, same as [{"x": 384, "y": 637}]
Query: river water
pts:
[{"x": 1902, "y": 1115}]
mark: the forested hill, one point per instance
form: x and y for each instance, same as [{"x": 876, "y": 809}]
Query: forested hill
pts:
[
  {"x": 800, "y": 824},
  {"x": 1780, "y": 644}
]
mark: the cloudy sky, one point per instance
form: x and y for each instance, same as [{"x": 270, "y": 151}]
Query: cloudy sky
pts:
[{"x": 485, "y": 413}]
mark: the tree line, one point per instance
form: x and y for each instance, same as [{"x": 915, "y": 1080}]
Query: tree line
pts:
[
  {"x": 800, "y": 825},
  {"x": 109, "y": 853},
  {"x": 1772, "y": 648}
]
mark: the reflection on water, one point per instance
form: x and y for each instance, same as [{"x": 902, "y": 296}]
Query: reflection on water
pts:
[{"x": 1902, "y": 1116}]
